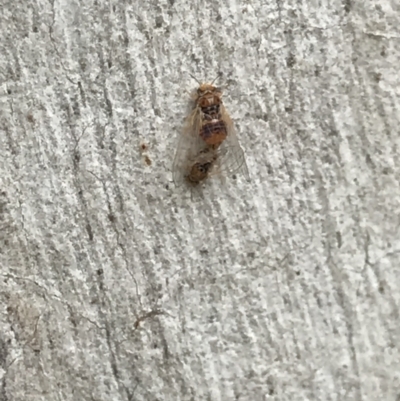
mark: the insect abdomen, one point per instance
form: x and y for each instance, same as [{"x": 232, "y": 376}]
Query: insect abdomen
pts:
[{"x": 213, "y": 133}]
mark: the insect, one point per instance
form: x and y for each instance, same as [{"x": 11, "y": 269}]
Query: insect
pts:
[{"x": 208, "y": 141}]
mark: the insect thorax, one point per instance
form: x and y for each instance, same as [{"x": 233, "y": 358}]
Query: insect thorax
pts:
[
  {"x": 211, "y": 112},
  {"x": 209, "y": 100}
]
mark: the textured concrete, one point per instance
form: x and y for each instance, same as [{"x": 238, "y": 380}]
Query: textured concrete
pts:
[{"x": 115, "y": 285}]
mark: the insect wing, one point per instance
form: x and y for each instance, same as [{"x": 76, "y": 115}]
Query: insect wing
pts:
[
  {"x": 188, "y": 146},
  {"x": 230, "y": 153}
]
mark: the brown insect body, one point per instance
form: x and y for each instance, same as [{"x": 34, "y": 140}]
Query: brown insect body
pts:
[
  {"x": 208, "y": 143},
  {"x": 213, "y": 130}
]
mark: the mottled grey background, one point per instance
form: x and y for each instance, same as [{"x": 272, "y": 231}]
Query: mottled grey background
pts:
[{"x": 115, "y": 285}]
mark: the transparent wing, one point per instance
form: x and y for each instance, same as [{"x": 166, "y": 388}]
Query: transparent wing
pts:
[
  {"x": 189, "y": 144},
  {"x": 230, "y": 153}
]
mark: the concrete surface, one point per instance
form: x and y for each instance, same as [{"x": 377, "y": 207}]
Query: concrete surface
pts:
[{"x": 115, "y": 285}]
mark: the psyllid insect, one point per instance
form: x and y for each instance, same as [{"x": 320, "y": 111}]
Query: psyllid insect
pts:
[{"x": 208, "y": 143}]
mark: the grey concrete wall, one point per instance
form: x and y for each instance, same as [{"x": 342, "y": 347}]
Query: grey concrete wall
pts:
[{"x": 115, "y": 285}]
